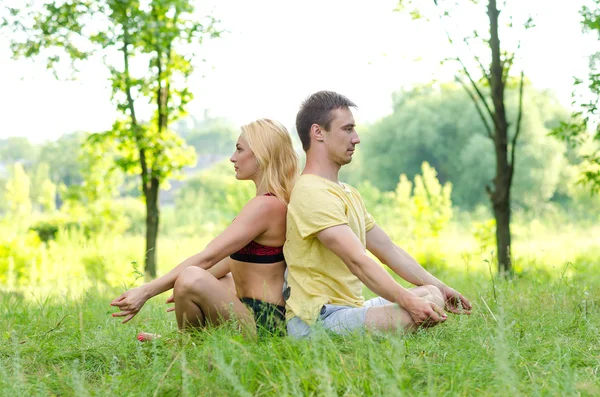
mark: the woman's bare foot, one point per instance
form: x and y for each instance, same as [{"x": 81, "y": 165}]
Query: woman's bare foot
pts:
[{"x": 147, "y": 336}]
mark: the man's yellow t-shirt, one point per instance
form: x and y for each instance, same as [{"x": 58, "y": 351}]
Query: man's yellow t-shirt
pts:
[{"x": 316, "y": 275}]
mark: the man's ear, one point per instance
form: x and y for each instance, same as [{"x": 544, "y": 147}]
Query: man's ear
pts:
[{"x": 316, "y": 132}]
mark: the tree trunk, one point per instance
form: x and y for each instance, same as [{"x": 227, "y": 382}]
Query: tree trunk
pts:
[
  {"x": 500, "y": 197},
  {"x": 152, "y": 211},
  {"x": 149, "y": 187},
  {"x": 503, "y": 244},
  {"x": 152, "y": 219}
]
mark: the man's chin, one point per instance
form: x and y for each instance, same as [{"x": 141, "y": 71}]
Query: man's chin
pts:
[{"x": 343, "y": 160}]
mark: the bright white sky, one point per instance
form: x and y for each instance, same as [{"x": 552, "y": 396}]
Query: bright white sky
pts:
[{"x": 278, "y": 52}]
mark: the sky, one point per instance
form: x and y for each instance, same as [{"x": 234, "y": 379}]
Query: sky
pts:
[{"x": 275, "y": 53}]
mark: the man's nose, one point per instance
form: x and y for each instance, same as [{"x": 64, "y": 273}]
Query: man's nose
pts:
[{"x": 355, "y": 139}]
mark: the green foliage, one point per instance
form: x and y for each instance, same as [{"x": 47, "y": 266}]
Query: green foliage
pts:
[
  {"x": 151, "y": 150},
  {"x": 3, "y": 200},
  {"x": 45, "y": 230},
  {"x": 62, "y": 159},
  {"x": 102, "y": 216},
  {"x": 415, "y": 213},
  {"x": 153, "y": 38},
  {"x": 19, "y": 253},
  {"x": 210, "y": 136},
  {"x": 13, "y": 149},
  {"x": 43, "y": 191},
  {"x": 17, "y": 193},
  {"x": 439, "y": 125},
  {"x": 431, "y": 204},
  {"x": 102, "y": 178},
  {"x": 165, "y": 153},
  {"x": 540, "y": 160},
  {"x": 211, "y": 200},
  {"x": 76, "y": 29},
  {"x": 577, "y": 130},
  {"x": 485, "y": 234},
  {"x": 66, "y": 343},
  {"x": 484, "y": 74}
]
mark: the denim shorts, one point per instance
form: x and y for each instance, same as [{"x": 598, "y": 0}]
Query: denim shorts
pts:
[{"x": 336, "y": 318}]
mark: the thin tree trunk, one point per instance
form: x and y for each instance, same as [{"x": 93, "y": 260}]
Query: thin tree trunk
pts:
[
  {"x": 502, "y": 214},
  {"x": 152, "y": 221},
  {"x": 152, "y": 207},
  {"x": 501, "y": 196},
  {"x": 149, "y": 187}
]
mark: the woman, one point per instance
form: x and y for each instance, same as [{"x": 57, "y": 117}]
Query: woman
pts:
[{"x": 240, "y": 273}]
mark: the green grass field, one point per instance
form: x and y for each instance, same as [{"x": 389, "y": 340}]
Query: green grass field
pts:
[{"x": 535, "y": 335}]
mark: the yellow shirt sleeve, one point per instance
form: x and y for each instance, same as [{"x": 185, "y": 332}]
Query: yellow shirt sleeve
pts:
[
  {"x": 316, "y": 209},
  {"x": 369, "y": 221}
]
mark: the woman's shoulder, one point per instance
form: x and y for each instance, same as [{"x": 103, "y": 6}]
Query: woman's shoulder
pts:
[{"x": 265, "y": 206}]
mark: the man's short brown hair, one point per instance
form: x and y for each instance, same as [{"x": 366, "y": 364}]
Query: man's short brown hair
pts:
[{"x": 318, "y": 109}]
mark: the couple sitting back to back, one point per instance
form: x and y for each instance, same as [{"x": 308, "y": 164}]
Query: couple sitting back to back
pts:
[{"x": 322, "y": 229}]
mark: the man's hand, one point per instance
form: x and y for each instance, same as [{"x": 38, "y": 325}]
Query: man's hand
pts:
[
  {"x": 130, "y": 303},
  {"x": 455, "y": 302},
  {"x": 171, "y": 299},
  {"x": 424, "y": 313}
]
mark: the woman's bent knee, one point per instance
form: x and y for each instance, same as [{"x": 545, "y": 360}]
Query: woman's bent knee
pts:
[{"x": 191, "y": 278}]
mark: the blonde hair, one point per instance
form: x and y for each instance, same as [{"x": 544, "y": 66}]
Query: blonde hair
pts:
[{"x": 272, "y": 146}]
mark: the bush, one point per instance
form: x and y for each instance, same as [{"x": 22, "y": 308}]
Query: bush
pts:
[
  {"x": 209, "y": 202},
  {"x": 20, "y": 256},
  {"x": 419, "y": 212}
]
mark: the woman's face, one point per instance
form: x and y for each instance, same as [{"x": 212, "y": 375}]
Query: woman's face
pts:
[{"x": 244, "y": 161}]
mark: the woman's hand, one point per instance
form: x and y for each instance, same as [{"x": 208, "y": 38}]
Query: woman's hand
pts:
[
  {"x": 130, "y": 303},
  {"x": 171, "y": 299}
]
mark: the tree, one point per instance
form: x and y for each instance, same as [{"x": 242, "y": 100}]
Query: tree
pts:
[
  {"x": 127, "y": 32},
  {"x": 211, "y": 136},
  {"x": 17, "y": 194},
  {"x": 14, "y": 149},
  {"x": 577, "y": 131},
  {"x": 437, "y": 123},
  {"x": 43, "y": 191},
  {"x": 487, "y": 94},
  {"x": 211, "y": 199},
  {"x": 62, "y": 158}
]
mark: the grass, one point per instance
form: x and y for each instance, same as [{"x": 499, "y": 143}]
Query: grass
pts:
[{"x": 535, "y": 335}]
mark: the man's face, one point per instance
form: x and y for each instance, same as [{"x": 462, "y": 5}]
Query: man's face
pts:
[{"x": 342, "y": 137}]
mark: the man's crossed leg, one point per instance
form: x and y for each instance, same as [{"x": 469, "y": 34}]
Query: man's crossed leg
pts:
[{"x": 377, "y": 314}]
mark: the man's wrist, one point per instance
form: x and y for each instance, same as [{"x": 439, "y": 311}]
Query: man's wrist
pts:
[
  {"x": 439, "y": 284},
  {"x": 404, "y": 297}
]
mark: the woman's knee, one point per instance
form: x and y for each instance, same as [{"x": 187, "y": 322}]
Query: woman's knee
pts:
[{"x": 191, "y": 278}]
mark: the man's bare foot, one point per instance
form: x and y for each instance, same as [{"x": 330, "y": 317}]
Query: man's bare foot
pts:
[{"x": 147, "y": 336}]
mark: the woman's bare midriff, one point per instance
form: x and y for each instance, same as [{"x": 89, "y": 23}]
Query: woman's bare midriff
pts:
[{"x": 260, "y": 281}]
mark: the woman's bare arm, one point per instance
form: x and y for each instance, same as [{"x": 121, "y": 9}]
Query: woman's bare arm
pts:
[
  {"x": 252, "y": 221},
  {"x": 222, "y": 268}
]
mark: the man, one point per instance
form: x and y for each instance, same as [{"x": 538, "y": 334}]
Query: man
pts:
[{"x": 328, "y": 230}]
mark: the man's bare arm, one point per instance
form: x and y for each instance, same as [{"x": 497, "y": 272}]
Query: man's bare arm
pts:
[
  {"x": 404, "y": 265},
  {"x": 344, "y": 243},
  {"x": 400, "y": 261}
]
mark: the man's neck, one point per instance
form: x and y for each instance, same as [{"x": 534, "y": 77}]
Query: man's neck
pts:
[{"x": 322, "y": 167}]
